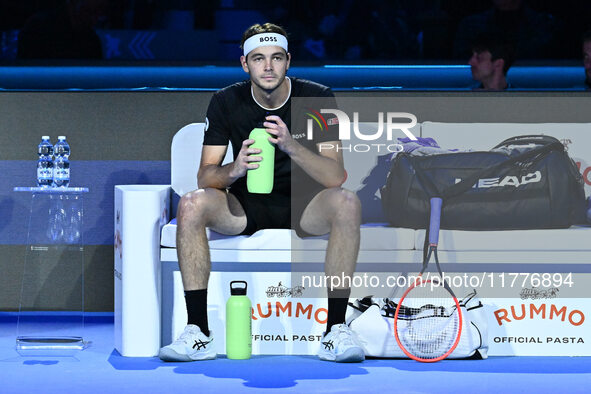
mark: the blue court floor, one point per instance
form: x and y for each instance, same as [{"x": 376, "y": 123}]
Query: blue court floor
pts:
[{"x": 100, "y": 369}]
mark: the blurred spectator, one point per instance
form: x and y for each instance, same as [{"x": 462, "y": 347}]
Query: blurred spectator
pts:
[
  {"x": 65, "y": 32},
  {"x": 439, "y": 23},
  {"x": 327, "y": 36},
  {"x": 315, "y": 27},
  {"x": 368, "y": 29},
  {"x": 391, "y": 35},
  {"x": 573, "y": 16},
  {"x": 347, "y": 29},
  {"x": 587, "y": 58},
  {"x": 490, "y": 62},
  {"x": 534, "y": 34}
]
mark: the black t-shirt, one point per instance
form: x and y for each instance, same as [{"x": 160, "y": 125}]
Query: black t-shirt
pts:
[{"x": 233, "y": 113}]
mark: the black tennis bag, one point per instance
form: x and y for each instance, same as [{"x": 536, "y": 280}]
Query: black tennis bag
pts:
[{"x": 520, "y": 186}]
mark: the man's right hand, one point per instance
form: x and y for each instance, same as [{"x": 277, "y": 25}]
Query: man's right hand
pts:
[{"x": 245, "y": 159}]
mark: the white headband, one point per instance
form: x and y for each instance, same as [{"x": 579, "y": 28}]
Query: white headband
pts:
[{"x": 264, "y": 39}]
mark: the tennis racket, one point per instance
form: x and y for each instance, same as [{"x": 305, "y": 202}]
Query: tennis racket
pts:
[{"x": 428, "y": 318}]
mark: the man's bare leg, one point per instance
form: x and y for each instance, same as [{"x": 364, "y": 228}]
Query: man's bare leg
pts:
[
  {"x": 337, "y": 211},
  {"x": 199, "y": 209}
]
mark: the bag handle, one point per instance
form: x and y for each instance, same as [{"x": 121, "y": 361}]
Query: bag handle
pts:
[
  {"x": 528, "y": 139},
  {"x": 466, "y": 184}
]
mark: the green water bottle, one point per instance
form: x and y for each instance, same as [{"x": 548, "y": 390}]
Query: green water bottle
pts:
[
  {"x": 238, "y": 323},
  {"x": 260, "y": 180}
]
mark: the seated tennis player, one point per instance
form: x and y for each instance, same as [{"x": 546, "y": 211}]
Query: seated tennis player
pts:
[{"x": 222, "y": 202}]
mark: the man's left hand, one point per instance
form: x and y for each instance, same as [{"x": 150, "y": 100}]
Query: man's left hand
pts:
[{"x": 282, "y": 137}]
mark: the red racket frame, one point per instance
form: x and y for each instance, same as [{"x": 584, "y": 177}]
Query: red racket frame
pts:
[{"x": 412, "y": 356}]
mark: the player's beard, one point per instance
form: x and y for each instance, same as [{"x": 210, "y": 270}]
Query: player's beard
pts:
[{"x": 269, "y": 87}]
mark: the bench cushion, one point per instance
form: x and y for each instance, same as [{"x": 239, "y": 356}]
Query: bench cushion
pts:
[{"x": 374, "y": 236}]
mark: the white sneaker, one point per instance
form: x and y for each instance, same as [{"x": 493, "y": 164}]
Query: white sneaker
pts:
[
  {"x": 341, "y": 345},
  {"x": 192, "y": 345}
]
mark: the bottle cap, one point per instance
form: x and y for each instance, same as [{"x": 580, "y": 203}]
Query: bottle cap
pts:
[
  {"x": 238, "y": 291},
  {"x": 61, "y": 137},
  {"x": 45, "y": 137}
]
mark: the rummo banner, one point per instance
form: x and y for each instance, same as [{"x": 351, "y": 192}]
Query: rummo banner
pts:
[{"x": 543, "y": 326}]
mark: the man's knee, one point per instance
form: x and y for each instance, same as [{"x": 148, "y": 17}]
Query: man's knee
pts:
[
  {"x": 195, "y": 204},
  {"x": 346, "y": 202}
]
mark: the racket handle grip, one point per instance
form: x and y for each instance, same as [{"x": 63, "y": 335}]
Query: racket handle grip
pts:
[{"x": 435, "y": 220}]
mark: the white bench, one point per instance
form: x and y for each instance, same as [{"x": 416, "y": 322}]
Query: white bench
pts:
[{"x": 149, "y": 301}]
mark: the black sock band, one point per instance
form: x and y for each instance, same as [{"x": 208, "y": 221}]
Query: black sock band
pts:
[
  {"x": 337, "y": 307},
  {"x": 196, "y": 301}
]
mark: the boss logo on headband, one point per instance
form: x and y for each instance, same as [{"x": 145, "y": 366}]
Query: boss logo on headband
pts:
[{"x": 263, "y": 39}]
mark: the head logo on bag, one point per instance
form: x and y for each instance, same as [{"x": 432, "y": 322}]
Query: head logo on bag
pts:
[{"x": 509, "y": 180}]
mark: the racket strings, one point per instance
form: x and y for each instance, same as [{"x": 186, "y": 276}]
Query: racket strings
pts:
[{"x": 428, "y": 321}]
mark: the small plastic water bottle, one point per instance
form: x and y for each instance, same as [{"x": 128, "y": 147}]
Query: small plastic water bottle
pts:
[
  {"x": 61, "y": 164},
  {"x": 45, "y": 162},
  {"x": 238, "y": 323}
]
